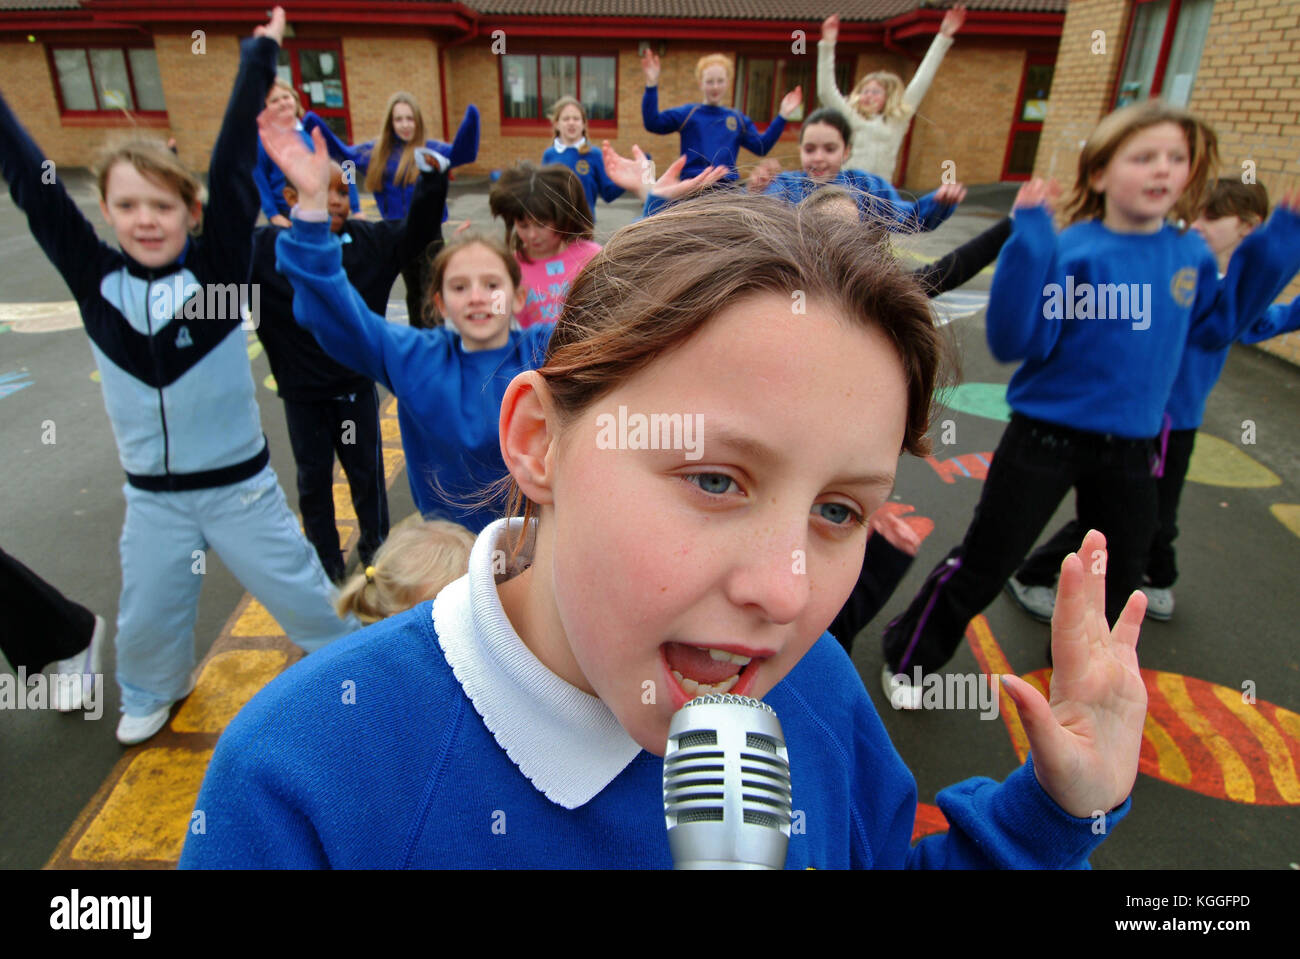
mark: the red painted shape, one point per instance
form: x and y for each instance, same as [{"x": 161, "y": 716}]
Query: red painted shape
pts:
[
  {"x": 929, "y": 820},
  {"x": 966, "y": 466},
  {"x": 922, "y": 526}
]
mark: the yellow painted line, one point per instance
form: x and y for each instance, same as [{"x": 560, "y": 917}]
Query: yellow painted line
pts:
[
  {"x": 1288, "y": 721},
  {"x": 389, "y": 431},
  {"x": 997, "y": 664},
  {"x": 1170, "y": 761},
  {"x": 1238, "y": 784},
  {"x": 1216, "y": 462},
  {"x": 148, "y": 813},
  {"x": 1280, "y": 766},
  {"x": 1288, "y": 514},
  {"x": 256, "y": 620},
  {"x": 228, "y": 682},
  {"x": 343, "y": 508}
]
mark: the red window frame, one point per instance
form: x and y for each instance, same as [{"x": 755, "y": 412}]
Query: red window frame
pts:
[
  {"x": 291, "y": 46},
  {"x": 1024, "y": 126},
  {"x": 543, "y": 124},
  {"x": 1162, "y": 58},
  {"x": 104, "y": 113}
]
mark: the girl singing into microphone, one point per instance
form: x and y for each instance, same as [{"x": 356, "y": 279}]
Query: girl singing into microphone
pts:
[{"x": 519, "y": 719}]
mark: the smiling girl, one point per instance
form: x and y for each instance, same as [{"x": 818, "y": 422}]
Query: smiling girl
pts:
[
  {"x": 536, "y": 692},
  {"x": 572, "y": 149}
]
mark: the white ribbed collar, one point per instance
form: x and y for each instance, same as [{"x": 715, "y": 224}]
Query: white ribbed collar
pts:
[
  {"x": 561, "y": 146},
  {"x": 567, "y": 742}
]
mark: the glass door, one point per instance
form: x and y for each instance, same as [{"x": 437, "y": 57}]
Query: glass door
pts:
[{"x": 315, "y": 68}]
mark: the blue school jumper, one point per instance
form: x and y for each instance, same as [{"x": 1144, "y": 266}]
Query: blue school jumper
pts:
[
  {"x": 449, "y": 399},
  {"x": 180, "y": 398},
  {"x": 589, "y": 168},
  {"x": 415, "y": 773},
  {"x": 270, "y": 179},
  {"x": 711, "y": 135},
  {"x": 875, "y": 196}
]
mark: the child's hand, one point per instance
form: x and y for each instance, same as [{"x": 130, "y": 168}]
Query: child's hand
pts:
[
  {"x": 1086, "y": 743},
  {"x": 650, "y": 67},
  {"x": 281, "y": 220},
  {"x": 1037, "y": 193},
  {"x": 274, "y": 29},
  {"x": 949, "y": 194},
  {"x": 635, "y": 175},
  {"x": 896, "y": 530},
  {"x": 671, "y": 186},
  {"x": 763, "y": 175},
  {"x": 462, "y": 228},
  {"x": 309, "y": 172},
  {"x": 791, "y": 102},
  {"x": 831, "y": 28},
  {"x": 952, "y": 20}
]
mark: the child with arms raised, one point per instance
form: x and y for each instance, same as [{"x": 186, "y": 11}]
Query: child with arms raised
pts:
[
  {"x": 449, "y": 380},
  {"x": 329, "y": 408},
  {"x": 526, "y": 679},
  {"x": 1088, "y": 398},
  {"x": 178, "y": 389},
  {"x": 572, "y": 149}
]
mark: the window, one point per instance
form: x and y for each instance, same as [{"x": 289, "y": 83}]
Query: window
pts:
[
  {"x": 1031, "y": 111},
  {"x": 531, "y": 83},
  {"x": 762, "y": 82},
  {"x": 108, "y": 79},
  {"x": 1164, "y": 49},
  {"x": 315, "y": 69}
]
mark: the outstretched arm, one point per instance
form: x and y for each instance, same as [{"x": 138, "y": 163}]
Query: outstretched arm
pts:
[
  {"x": 1014, "y": 322},
  {"x": 920, "y": 85},
  {"x": 965, "y": 262}
]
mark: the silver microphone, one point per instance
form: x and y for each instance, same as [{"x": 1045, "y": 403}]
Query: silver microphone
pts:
[{"x": 727, "y": 785}]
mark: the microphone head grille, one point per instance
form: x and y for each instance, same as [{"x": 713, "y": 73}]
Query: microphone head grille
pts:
[{"x": 727, "y": 699}]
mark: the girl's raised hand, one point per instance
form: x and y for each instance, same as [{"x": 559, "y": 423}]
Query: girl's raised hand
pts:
[
  {"x": 1037, "y": 193},
  {"x": 949, "y": 194},
  {"x": 791, "y": 102},
  {"x": 308, "y": 171},
  {"x": 650, "y": 67},
  {"x": 952, "y": 20},
  {"x": 1087, "y": 741},
  {"x": 274, "y": 29},
  {"x": 634, "y": 174},
  {"x": 831, "y": 28},
  {"x": 896, "y": 530},
  {"x": 671, "y": 186}
]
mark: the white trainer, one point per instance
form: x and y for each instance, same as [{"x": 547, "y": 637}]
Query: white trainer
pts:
[
  {"x": 1038, "y": 601},
  {"x": 1160, "y": 603},
  {"x": 75, "y": 676},
  {"x": 136, "y": 729},
  {"x": 900, "y": 691}
]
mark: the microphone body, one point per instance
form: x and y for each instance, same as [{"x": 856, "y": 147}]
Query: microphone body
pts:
[{"x": 727, "y": 799}]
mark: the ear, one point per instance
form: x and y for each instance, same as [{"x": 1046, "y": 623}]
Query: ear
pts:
[
  {"x": 103, "y": 208},
  {"x": 521, "y": 297},
  {"x": 196, "y": 213},
  {"x": 438, "y": 304},
  {"x": 1097, "y": 182},
  {"x": 529, "y": 437}
]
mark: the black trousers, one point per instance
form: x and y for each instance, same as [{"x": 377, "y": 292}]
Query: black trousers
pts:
[
  {"x": 1044, "y": 563},
  {"x": 1035, "y": 465},
  {"x": 349, "y": 426},
  {"x": 40, "y": 624}
]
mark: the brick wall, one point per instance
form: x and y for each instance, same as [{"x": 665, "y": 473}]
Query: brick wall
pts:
[
  {"x": 1246, "y": 88},
  {"x": 377, "y": 67}
]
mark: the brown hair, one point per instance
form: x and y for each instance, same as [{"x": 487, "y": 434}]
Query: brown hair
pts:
[
  {"x": 417, "y": 560},
  {"x": 1085, "y": 203},
  {"x": 892, "y": 84},
  {"x": 558, "y": 107},
  {"x": 1229, "y": 197},
  {"x": 660, "y": 280},
  {"x": 551, "y": 195},
  {"x": 153, "y": 160},
  {"x": 387, "y": 141},
  {"x": 438, "y": 268}
]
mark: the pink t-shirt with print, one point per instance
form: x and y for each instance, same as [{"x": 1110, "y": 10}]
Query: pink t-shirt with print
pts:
[{"x": 548, "y": 280}]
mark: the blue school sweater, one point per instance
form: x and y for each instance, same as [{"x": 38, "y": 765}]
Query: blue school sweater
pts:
[
  {"x": 1100, "y": 318},
  {"x": 1201, "y": 368},
  {"x": 394, "y": 200},
  {"x": 876, "y": 198},
  {"x": 711, "y": 136},
  {"x": 271, "y": 182},
  {"x": 589, "y": 168},
  {"x": 388, "y": 749},
  {"x": 449, "y": 400}
]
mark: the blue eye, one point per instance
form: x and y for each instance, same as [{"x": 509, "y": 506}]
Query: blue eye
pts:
[
  {"x": 709, "y": 482},
  {"x": 838, "y": 513}
]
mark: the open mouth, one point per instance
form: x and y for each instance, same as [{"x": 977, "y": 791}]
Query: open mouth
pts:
[
  {"x": 478, "y": 316},
  {"x": 700, "y": 670}
]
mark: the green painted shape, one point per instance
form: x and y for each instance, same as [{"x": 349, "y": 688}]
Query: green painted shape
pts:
[
  {"x": 1217, "y": 462},
  {"x": 988, "y": 400}
]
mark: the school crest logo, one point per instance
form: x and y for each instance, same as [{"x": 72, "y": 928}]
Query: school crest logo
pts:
[
  {"x": 1183, "y": 286},
  {"x": 731, "y": 124},
  {"x": 582, "y": 167},
  {"x": 183, "y": 338}
]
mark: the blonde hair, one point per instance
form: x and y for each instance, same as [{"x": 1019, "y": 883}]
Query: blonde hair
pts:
[
  {"x": 152, "y": 160},
  {"x": 892, "y": 84},
  {"x": 714, "y": 60},
  {"x": 1085, "y": 203},
  {"x": 407, "y": 169},
  {"x": 558, "y": 107},
  {"x": 286, "y": 85},
  {"x": 413, "y": 565}
]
